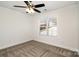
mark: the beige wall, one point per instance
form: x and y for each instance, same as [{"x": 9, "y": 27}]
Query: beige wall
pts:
[
  {"x": 15, "y": 27},
  {"x": 78, "y": 26},
  {"x": 67, "y": 22}
]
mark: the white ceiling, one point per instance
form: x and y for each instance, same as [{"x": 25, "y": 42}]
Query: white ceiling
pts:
[{"x": 49, "y": 5}]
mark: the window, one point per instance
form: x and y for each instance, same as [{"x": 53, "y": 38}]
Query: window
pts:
[{"x": 48, "y": 27}]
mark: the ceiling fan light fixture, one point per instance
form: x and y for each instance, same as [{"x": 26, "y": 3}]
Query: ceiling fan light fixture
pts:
[{"x": 30, "y": 10}]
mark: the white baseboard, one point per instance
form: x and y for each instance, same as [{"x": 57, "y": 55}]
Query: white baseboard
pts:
[
  {"x": 59, "y": 46},
  {"x": 7, "y": 46}
]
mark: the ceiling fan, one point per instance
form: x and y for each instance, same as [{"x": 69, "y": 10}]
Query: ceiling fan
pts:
[{"x": 31, "y": 8}]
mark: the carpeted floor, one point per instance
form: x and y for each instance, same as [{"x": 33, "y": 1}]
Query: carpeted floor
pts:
[{"x": 35, "y": 49}]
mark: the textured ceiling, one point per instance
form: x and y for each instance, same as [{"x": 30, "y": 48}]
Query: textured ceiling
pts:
[{"x": 49, "y": 5}]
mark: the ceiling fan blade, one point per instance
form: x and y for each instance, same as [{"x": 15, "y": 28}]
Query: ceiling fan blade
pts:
[
  {"x": 30, "y": 1},
  {"x": 26, "y": 12},
  {"x": 26, "y": 2},
  {"x": 37, "y": 10},
  {"x": 39, "y": 5},
  {"x": 20, "y": 6}
]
